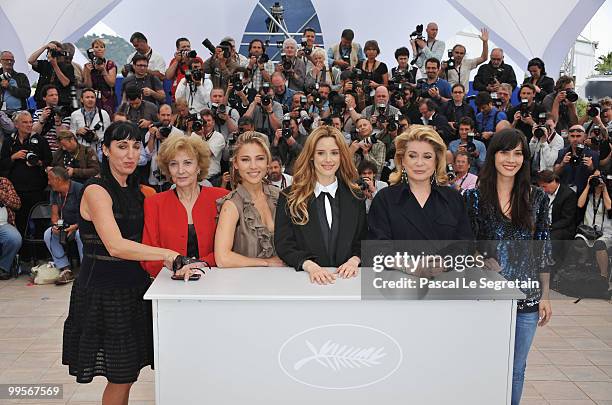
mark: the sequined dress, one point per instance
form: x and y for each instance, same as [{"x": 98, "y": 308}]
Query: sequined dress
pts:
[{"x": 522, "y": 253}]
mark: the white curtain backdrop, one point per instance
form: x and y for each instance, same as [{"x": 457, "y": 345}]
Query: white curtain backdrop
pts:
[{"x": 524, "y": 28}]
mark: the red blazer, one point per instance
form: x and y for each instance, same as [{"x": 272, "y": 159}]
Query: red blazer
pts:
[{"x": 166, "y": 224}]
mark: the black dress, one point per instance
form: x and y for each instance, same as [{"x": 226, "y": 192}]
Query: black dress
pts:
[{"x": 109, "y": 329}]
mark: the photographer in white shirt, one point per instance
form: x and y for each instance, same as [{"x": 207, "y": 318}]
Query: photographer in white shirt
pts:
[
  {"x": 545, "y": 149},
  {"x": 195, "y": 88},
  {"x": 89, "y": 118}
]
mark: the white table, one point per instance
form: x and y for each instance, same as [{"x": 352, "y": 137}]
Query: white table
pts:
[{"x": 268, "y": 336}]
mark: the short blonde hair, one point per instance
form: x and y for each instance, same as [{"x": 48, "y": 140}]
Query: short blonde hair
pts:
[
  {"x": 192, "y": 145},
  {"x": 420, "y": 133},
  {"x": 98, "y": 41},
  {"x": 248, "y": 137},
  {"x": 319, "y": 52}
]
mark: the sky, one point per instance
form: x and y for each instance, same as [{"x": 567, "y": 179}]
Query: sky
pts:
[{"x": 599, "y": 29}]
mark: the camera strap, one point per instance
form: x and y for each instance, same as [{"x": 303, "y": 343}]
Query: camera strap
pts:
[
  {"x": 61, "y": 210},
  {"x": 596, "y": 209}
]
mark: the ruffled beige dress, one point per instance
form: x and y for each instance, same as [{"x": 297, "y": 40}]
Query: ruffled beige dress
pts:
[{"x": 252, "y": 238}]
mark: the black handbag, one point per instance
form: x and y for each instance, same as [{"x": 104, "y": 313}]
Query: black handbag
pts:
[{"x": 589, "y": 232}]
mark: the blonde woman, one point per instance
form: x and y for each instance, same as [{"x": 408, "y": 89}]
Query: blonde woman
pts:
[
  {"x": 419, "y": 205},
  {"x": 245, "y": 229},
  {"x": 319, "y": 72},
  {"x": 321, "y": 218},
  {"x": 100, "y": 74}
]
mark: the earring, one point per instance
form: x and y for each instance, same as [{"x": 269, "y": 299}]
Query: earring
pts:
[
  {"x": 404, "y": 178},
  {"x": 434, "y": 178}
]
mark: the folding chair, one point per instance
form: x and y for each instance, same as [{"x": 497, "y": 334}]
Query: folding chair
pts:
[{"x": 39, "y": 220}]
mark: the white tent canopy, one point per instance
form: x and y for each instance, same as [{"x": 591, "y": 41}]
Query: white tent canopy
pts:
[{"x": 524, "y": 28}]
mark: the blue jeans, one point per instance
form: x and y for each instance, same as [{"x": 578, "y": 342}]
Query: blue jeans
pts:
[
  {"x": 526, "y": 324},
  {"x": 57, "y": 250},
  {"x": 10, "y": 242}
]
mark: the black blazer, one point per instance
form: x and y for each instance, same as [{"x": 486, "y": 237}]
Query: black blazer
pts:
[
  {"x": 395, "y": 214},
  {"x": 546, "y": 85},
  {"x": 564, "y": 208},
  {"x": 297, "y": 243}
]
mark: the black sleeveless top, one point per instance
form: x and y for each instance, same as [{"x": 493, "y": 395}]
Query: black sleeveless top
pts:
[{"x": 99, "y": 269}]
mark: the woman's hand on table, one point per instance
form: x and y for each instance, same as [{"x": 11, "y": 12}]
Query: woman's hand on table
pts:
[
  {"x": 318, "y": 274},
  {"x": 189, "y": 269},
  {"x": 349, "y": 269},
  {"x": 274, "y": 261}
]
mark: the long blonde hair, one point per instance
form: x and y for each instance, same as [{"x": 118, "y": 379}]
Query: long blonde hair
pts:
[
  {"x": 305, "y": 177},
  {"x": 420, "y": 133},
  {"x": 249, "y": 137}
]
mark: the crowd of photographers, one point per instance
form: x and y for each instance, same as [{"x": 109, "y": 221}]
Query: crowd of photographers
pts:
[{"x": 220, "y": 96}]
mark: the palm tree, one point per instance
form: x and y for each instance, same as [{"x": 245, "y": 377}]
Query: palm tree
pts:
[{"x": 605, "y": 63}]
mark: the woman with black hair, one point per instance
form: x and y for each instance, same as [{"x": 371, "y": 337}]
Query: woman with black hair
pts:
[
  {"x": 543, "y": 84},
  {"x": 108, "y": 331},
  {"x": 507, "y": 209}
]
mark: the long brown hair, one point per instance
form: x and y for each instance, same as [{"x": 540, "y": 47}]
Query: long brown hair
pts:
[
  {"x": 305, "y": 177},
  {"x": 420, "y": 133},
  {"x": 520, "y": 206}
]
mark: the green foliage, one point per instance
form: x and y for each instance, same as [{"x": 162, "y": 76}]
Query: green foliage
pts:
[
  {"x": 604, "y": 63},
  {"x": 581, "y": 107},
  {"x": 117, "y": 48}
]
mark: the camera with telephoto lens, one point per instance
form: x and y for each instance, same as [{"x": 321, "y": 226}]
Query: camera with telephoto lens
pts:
[
  {"x": 316, "y": 96},
  {"x": 576, "y": 158},
  {"x": 189, "y": 54},
  {"x": 94, "y": 59},
  {"x": 90, "y": 133},
  {"x": 571, "y": 95},
  {"x": 286, "y": 126},
  {"x": 593, "y": 109},
  {"x": 347, "y": 59},
  {"x": 422, "y": 88},
  {"x": 596, "y": 139},
  {"x": 208, "y": 45},
  {"x": 608, "y": 181},
  {"x": 417, "y": 33},
  {"x": 393, "y": 123},
  {"x": 362, "y": 183},
  {"x": 164, "y": 130},
  {"x": 497, "y": 102},
  {"x": 266, "y": 99},
  {"x": 524, "y": 108},
  {"x": 32, "y": 158},
  {"x": 381, "y": 109},
  {"x": 196, "y": 75},
  {"x": 306, "y": 120},
  {"x": 370, "y": 140},
  {"x": 218, "y": 110},
  {"x": 450, "y": 172},
  {"x": 307, "y": 50},
  {"x": 236, "y": 80},
  {"x": 59, "y": 53},
  {"x": 263, "y": 58},
  {"x": 596, "y": 181},
  {"x": 497, "y": 74},
  {"x": 286, "y": 62},
  {"x": 450, "y": 63},
  {"x": 5, "y": 76},
  {"x": 470, "y": 146},
  {"x": 63, "y": 234},
  {"x": 303, "y": 102},
  {"x": 196, "y": 123},
  {"x": 540, "y": 129}
]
